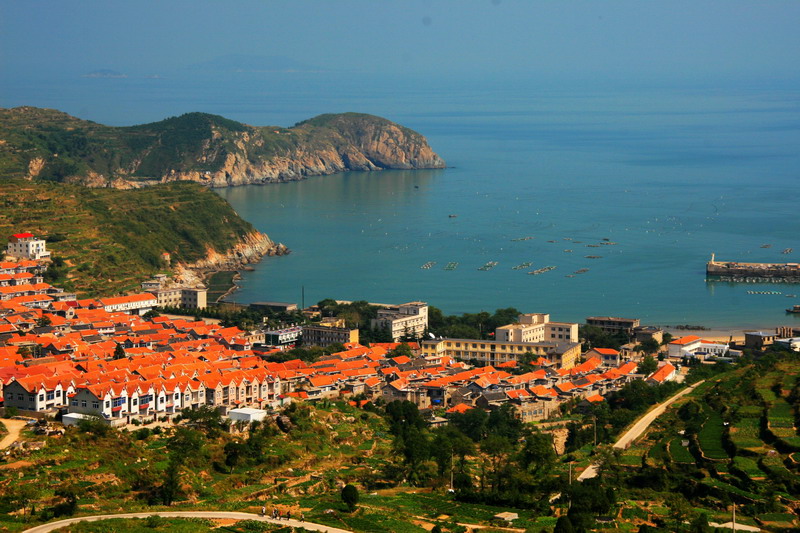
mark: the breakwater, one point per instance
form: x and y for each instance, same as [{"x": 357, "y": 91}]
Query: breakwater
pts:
[{"x": 737, "y": 270}]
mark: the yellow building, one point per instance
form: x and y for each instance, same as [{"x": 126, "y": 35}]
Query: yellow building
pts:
[{"x": 563, "y": 354}]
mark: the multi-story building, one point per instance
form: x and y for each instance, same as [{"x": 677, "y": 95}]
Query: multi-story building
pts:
[
  {"x": 406, "y": 320},
  {"x": 329, "y": 331},
  {"x": 283, "y": 336},
  {"x": 537, "y": 327},
  {"x": 170, "y": 294},
  {"x": 563, "y": 354},
  {"x": 613, "y": 324},
  {"x": 25, "y": 245}
]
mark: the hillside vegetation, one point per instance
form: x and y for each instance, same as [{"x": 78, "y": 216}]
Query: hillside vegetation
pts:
[
  {"x": 110, "y": 240},
  {"x": 50, "y": 145}
]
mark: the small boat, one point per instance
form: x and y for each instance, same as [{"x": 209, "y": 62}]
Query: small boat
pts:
[
  {"x": 787, "y": 251},
  {"x": 452, "y": 216},
  {"x": 452, "y": 265},
  {"x": 794, "y": 309},
  {"x": 428, "y": 265},
  {"x": 488, "y": 266},
  {"x": 766, "y": 246},
  {"x": 524, "y": 265}
]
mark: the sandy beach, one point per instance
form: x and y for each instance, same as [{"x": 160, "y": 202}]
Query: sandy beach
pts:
[{"x": 717, "y": 334}]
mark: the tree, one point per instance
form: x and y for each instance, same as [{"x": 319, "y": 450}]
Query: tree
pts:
[
  {"x": 647, "y": 366},
  {"x": 170, "y": 489},
  {"x": 233, "y": 454},
  {"x": 43, "y": 322},
  {"x": 350, "y": 497},
  {"x": 563, "y": 525},
  {"x": 448, "y": 444},
  {"x": 119, "y": 352},
  {"x": 649, "y": 346}
]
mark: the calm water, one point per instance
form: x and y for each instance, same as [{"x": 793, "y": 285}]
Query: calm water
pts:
[{"x": 669, "y": 175}]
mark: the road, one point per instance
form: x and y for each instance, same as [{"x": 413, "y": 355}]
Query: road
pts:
[
  {"x": 14, "y": 428},
  {"x": 213, "y": 515},
  {"x": 639, "y": 427}
]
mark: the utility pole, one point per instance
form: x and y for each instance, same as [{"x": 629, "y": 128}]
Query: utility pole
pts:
[
  {"x": 451, "y": 470},
  {"x": 734, "y": 517}
]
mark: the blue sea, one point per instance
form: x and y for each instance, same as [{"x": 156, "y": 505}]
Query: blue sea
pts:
[{"x": 539, "y": 173}]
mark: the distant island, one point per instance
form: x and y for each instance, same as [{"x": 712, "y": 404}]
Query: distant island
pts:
[{"x": 47, "y": 144}]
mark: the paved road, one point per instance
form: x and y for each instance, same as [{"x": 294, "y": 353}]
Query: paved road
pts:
[
  {"x": 14, "y": 428},
  {"x": 639, "y": 427},
  {"x": 44, "y": 528}
]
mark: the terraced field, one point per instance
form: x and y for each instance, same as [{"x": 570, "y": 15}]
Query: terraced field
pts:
[
  {"x": 742, "y": 436},
  {"x": 710, "y": 437}
]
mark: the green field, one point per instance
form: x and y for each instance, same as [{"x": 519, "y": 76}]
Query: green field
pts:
[{"x": 710, "y": 436}]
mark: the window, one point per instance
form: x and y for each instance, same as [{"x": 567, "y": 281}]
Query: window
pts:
[
  {"x": 177, "y": 396},
  {"x": 135, "y": 401},
  {"x": 51, "y": 395},
  {"x": 83, "y": 403},
  {"x": 75, "y": 403},
  {"x": 95, "y": 405}
]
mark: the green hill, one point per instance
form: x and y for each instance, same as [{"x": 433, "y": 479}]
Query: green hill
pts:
[
  {"x": 111, "y": 240},
  {"x": 50, "y": 145}
]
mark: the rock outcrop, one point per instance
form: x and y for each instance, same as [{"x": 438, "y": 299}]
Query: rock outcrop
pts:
[{"x": 250, "y": 249}]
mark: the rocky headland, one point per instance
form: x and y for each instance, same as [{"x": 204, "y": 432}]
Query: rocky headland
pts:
[{"x": 208, "y": 149}]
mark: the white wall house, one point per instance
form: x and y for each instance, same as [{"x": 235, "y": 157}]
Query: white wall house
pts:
[{"x": 27, "y": 246}]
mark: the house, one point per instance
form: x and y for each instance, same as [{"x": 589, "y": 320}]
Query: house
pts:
[
  {"x": 665, "y": 372},
  {"x": 25, "y": 245},
  {"x": 608, "y": 356}
]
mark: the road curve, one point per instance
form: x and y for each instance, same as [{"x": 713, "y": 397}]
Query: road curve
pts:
[
  {"x": 14, "y": 428},
  {"x": 44, "y": 528},
  {"x": 639, "y": 427}
]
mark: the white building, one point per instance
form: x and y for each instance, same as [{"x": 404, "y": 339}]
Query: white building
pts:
[
  {"x": 694, "y": 346},
  {"x": 25, "y": 245},
  {"x": 135, "y": 304},
  {"x": 247, "y": 414},
  {"x": 409, "y": 319}
]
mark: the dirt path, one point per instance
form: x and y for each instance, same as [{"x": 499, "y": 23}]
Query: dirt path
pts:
[
  {"x": 14, "y": 428},
  {"x": 639, "y": 427},
  {"x": 213, "y": 515}
]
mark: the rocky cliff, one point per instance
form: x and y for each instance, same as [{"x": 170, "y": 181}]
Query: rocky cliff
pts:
[
  {"x": 250, "y": 249},
  {"x": 208, "y": 149}
]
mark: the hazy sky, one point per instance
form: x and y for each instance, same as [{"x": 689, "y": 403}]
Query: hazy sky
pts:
[{"x": 611, "y": 39}]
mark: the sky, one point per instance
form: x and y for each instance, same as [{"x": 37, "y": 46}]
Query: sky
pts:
[{"x": 613, "y": 40}]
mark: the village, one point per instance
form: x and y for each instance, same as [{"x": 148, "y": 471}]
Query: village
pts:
[{"x": 119, "y": 360}]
